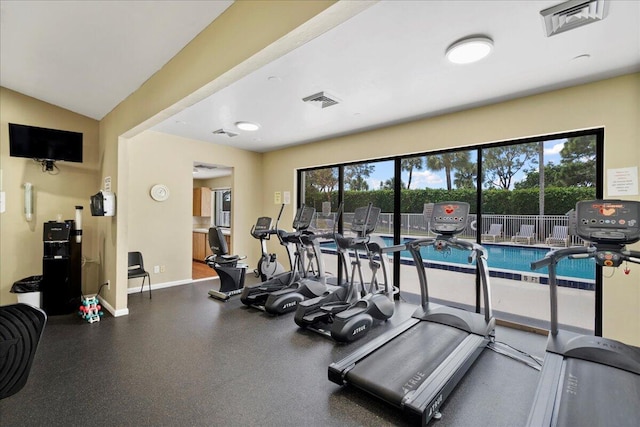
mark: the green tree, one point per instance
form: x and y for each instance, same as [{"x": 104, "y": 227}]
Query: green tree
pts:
[
  {"x": 448, "y": 162},
  {"x": 409, "y": 165},
  {"x": 355, "y": 176},
  {"x": 501, "y": 164},
  {"x": 390, "y": 184},
  {"x": 320, "y": 181},
  {"x": 579, "y": 161},
  {"x": 465, "y": 175}
]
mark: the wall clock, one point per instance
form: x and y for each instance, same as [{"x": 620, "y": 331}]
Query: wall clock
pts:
[{"x": 159, "y": 192}]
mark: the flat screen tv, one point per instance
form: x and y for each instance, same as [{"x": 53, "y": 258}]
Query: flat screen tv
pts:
[{"x": 44, "y": 144}]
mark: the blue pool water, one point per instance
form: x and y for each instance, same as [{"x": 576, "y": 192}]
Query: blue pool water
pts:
[{"x": 514, "y": 258}]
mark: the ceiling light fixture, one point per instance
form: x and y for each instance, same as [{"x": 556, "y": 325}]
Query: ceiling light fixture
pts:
[
  {"x": 470, "y": 49},
  {"x": 248, "y": 126}
]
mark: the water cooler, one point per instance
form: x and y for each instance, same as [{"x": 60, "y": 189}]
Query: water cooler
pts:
[{"x": 61, "y": 268}]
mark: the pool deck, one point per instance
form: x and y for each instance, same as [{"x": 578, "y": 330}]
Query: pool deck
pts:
[{"x": 520, "y": 299}]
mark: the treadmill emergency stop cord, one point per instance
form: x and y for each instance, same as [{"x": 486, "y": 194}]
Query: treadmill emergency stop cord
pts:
[{"x": 502, "y": 348}]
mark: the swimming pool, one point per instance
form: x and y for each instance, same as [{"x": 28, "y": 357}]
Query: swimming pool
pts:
[{"x": 502, "y": 257}]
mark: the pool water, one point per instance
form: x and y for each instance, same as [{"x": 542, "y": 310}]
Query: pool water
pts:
[{"x": 513, "y": 258}]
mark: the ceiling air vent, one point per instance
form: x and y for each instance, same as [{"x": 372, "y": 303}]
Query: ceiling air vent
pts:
[
  {"x": 225, "y": 132},
  {"x": 572, "y": 14},
  {"x": 321, "y": 100}
]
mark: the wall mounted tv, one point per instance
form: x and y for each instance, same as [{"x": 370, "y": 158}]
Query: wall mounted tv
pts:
[{"x": 44, "y": 145}]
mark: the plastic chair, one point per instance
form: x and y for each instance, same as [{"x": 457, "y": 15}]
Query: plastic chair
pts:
[
  {"x": 136, "y": 269},
  {"x": 526, "y": 233},
  {"x": 21, "y": 327},
  {"x": 559, "y": 235},
  {"x": 495, "y": 230}
]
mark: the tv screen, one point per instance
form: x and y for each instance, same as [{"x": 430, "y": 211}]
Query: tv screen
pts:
[{"x": 44, "y": 144}]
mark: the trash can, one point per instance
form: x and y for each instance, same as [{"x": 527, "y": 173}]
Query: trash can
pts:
[{"x": 28, "y": 290}]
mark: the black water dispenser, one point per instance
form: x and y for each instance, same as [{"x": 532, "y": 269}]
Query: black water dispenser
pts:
[{"x": 61, "y": 268}]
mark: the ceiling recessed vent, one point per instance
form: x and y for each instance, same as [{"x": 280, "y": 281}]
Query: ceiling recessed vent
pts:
[
  {"x": 321, "y": 100},
  {"x": 225, "y": 132},
  {"x": 572, "y": 14}
]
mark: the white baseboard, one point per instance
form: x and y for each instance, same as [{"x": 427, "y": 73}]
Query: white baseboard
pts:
[
  {"x": 110, "y": 309},
  {"x": 125, "y": 311},
  {"x": 155, "y": 286}
]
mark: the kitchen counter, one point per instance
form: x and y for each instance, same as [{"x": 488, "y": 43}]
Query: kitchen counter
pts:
[{"x": 225, "y": 231}]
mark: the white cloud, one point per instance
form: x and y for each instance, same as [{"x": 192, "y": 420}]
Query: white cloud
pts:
[
  {"x": 555, "y": 149},
  {"x": 425, "y": 178}
]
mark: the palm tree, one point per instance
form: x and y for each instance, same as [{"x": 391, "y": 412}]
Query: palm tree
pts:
[{"x": 409, "y": 165}]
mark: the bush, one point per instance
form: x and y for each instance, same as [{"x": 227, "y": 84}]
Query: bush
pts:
[{"x": 558, "y": 200}]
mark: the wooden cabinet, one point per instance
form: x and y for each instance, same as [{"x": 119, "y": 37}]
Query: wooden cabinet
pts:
[
  {"x": 201, "y": 201},
  {"x": 199, "y": 244},
  {"x": 201, "y": 249}
]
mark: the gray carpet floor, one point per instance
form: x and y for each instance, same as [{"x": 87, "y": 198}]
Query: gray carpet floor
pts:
[{"x": 183, "y": 358}]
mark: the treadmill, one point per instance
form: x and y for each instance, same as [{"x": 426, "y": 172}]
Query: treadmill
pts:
[
  {"x": 588, "y": 380},
  {"x": 416, "y": 365}
]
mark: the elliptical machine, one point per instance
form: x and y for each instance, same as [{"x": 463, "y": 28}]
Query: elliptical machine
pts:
[
  {"x": 348, "y": 314},
  {"x": 256, "y": 295},
  {"x": 268, "y": 265},
  {"x": 287, "y": 299}
]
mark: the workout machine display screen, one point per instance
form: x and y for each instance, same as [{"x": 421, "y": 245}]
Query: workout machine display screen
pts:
[
  {"x": 263, "y": 224},
  {"x": 608, "y": 221},
  {"x": 449, "y": 217},
  {"x": 303, "y": 218},
  {"x": 360, "y": 216}
]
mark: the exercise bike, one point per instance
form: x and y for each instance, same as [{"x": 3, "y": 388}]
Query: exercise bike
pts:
[
  {"x": 349, "y": 313},
  {"x": 230, "y": 272},
  {"x": 268, "y": 265}
]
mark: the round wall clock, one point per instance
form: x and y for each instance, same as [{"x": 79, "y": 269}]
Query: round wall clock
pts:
[{"x": 159, "y": 192}]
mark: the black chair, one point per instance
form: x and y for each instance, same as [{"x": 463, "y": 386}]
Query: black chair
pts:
[
  {"x": 21, "y": 327},
  {"x": 226, "y": 266},
  {"x": 136, "y": 269}
]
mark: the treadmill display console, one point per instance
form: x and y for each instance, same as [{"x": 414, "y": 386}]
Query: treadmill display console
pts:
[
  {"x": 608, "y": 221},
  {"x": 449, "y": 217}
]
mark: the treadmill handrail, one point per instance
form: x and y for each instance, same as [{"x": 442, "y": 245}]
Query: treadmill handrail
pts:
[{"x": 478, "y": 252}]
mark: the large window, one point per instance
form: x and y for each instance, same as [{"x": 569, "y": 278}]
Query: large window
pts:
[{"x": 521, "y": 194}]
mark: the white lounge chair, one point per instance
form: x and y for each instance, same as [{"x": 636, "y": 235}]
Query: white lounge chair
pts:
[
  {"x": 526, "y": 234},
  {"x": 495, "y": 230},
  {"x": 559, "y": 235}
]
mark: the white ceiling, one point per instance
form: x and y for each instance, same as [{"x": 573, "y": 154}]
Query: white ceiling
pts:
[
  {"x": 386, "y": 65},
  {"x": 88, "y": 56}
]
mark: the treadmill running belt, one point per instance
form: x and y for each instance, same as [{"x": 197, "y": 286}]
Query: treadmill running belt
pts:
[
  {"x": 598, "y": 395},
  {"x": 403, "y": 363}
]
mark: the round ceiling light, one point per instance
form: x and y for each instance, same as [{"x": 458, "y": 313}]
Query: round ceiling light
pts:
[
  {"x": 248, "y": 126},
  {"x": 469, "y": 50}
]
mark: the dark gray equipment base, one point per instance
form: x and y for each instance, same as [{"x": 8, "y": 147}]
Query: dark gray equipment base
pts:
[{"x": 21, "y": 327}]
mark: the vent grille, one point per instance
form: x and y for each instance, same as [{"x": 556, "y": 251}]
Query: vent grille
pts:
[
  {"x": 572, "y": 14},
  {"x": 321, "y": 100},
  {"x": 225, "y": 132}
]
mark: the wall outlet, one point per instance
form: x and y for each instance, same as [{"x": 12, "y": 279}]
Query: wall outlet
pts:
[
  {"x": 108, "y": 285},
  {"x": 156, "y": 269},
  {"x": 162, "y": 269}
]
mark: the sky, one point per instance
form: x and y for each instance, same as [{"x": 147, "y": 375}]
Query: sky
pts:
[{"x": 426, "y": 178}]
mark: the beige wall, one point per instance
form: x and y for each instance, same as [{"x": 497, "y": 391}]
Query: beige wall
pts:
[
  {"x": 614, "y": 104},
  {"x": 259, "y": 32},
  {"x": 21, "y": 241},
  {"x": 220, "y": 182},
  {"x": 162, "y": 230}
]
